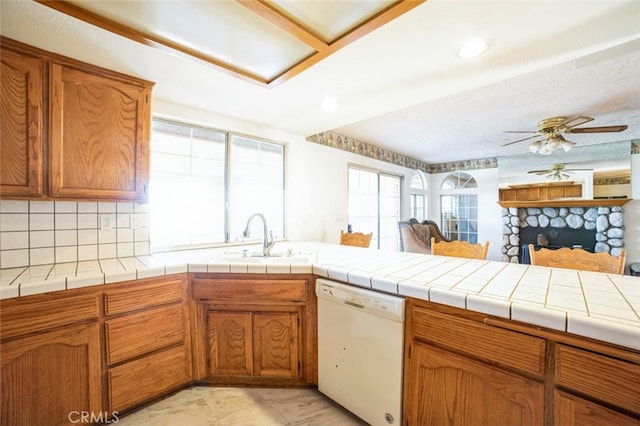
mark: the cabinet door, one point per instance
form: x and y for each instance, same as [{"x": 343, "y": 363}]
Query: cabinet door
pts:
[
  {"x": 99, "y": 136},
  {"x": 443, "y": 388},
  {"x": 49, "y": 378},
  {"x": 21, "y": 124},
  {"x": 230, "y": 343},
  {"x": 276, "y": 347},
  {"x": 573, "y": 191},
  {"x": 570, "y": 410}
]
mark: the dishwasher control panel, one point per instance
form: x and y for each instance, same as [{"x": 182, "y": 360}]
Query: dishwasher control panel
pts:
[{"x": 358, "y": 298}]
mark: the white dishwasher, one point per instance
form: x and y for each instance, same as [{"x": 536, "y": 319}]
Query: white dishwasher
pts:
[{"x": 360, "y": 350}]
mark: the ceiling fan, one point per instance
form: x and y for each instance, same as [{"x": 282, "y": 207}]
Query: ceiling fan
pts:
[
  {"x": 549, "y": 134},
  {"x": 558, "y": 172}
]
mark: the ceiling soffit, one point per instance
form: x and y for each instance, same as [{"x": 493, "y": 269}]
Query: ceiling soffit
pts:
[{"x": 264, "y": 42}]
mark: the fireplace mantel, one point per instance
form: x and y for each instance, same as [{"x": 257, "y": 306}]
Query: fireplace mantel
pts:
[{"x": 599, "y": 202}]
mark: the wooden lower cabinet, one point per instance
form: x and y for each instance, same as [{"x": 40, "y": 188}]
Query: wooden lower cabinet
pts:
[
  {"x": 468, "y": 368},
  {"x": 262, "y": 344},
  {"x": 449, "y": 389},
  {"x": 51, "y": 378},
  {"x": 147, "y": 340},
  {"x": 462, "y": 372},
  {"x": 50, "y": 358},
  {"x": 255, "y": 331}
]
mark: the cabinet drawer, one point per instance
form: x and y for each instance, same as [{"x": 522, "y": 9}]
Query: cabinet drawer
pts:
[
  {"x": 142, "y": 332},
  {"x": 146, "y": 378},
  {"x": 250, "y": 290},
  {"x": 601, "y": 377},
  {"x": 31, "y": 314},
  {"x": 509, "y": 348},
  {"x": 128, "y": 299}
]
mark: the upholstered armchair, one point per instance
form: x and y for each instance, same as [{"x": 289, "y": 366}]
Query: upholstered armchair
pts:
[{"x": 415, "y": 237}]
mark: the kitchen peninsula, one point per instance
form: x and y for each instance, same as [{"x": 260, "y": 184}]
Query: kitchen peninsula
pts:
[{"x": 569, "y": 340}]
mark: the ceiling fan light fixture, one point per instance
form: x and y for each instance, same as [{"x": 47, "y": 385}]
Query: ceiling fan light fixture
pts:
[
  {"x": 472, "y": 48},
  {"x": 545, "y": 149},
  {"x": 567, "y": 145},
  {"x": 554, "y": 142},
  {"x": 535, "y": 146}
]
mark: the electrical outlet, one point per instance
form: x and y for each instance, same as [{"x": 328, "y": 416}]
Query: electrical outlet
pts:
[
  {"x": 134, "y": 221},
  {"x": 105, "y": 222}
]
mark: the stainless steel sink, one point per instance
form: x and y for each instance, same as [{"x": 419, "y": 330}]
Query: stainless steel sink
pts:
[{"x": 274, "y": 259}]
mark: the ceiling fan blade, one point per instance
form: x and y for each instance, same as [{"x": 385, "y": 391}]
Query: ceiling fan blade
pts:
[
  {"x": 520, "y": 131},
  {"x": 578, "y": 170},
  {"x": 539, "y": 172},
  {"x": 600, "y": 129},
  {"x": 575, "y": 121},
  {"x": 521, "y": 140}
]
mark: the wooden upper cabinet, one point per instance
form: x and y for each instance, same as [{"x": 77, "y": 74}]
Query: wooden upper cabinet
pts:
[
  {"x": 540, "y": 192},
  {"x": 21, "y": 124},
  {"x": 71, "y": 130},
  {"x": 98, "y": 135}
]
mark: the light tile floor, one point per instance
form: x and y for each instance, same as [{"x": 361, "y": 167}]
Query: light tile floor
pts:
[{"x": 209, "y": 406}]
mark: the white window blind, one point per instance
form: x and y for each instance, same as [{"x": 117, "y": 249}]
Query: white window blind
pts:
[
  {"x": 204, "y": 185},
  {"x": 256, "y": 186}
]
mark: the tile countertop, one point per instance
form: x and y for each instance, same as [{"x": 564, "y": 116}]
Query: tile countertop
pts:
[{"x": 601, "y": 306}]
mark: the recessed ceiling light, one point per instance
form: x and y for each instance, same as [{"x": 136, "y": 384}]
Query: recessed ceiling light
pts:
[
  {"x": 472, "y": 48},
  {"x": 330, "y": 104}
]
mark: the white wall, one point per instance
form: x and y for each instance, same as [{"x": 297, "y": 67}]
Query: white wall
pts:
[{"x": 317, "y": 189}]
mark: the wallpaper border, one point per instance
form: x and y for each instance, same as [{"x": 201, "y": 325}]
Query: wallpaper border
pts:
[{"x": 345, "y": 143}]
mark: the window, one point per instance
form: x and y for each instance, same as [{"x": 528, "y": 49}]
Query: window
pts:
[
  {"x": 375, "y": 205},
  {"x": 204, "y": 185},
  {"x": 459, "y": 207},
  {"x": 256, "y": 181},
  {"x": 418, "y": 196}
]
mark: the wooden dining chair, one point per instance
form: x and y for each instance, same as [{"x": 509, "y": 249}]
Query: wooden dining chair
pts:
[
  {"x": 357, "y": 239},
  {"x": 457, "y": 248},
  {"x": 576, "y": 258}
]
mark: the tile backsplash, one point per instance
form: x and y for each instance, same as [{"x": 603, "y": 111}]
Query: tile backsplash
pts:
[{"x": 45, "y": 232}]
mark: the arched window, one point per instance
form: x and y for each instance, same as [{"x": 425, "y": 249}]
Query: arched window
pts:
[
  {"x": 418, "y": 195},
  {"x": 459, "y": 207}
]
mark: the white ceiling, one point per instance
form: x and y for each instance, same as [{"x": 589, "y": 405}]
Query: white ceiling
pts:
[{"x": 402, "y": 87}]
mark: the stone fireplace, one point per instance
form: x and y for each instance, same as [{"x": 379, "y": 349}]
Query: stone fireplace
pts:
[{"x": 605, "y": 224}]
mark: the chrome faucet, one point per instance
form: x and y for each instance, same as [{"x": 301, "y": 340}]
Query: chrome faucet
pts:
[{"x": 268, "y": 237}]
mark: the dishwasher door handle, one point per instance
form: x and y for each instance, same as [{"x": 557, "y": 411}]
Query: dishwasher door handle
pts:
[{"x": 354, "y": 304}]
